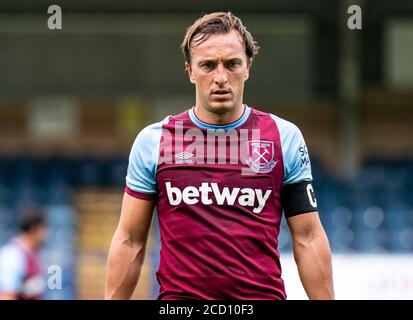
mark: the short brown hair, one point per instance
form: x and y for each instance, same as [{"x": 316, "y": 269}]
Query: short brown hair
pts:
[
  {"x": 30, "y": 217},
  {"x": 217, "y": 23}
]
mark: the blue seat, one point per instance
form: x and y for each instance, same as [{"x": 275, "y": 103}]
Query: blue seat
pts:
[
  {"x": 116, "y": 171},
  {"x": 6, "y": 195},
  {"x": 27, "y": 193},
  {"x": 58, "y": 193},
  {"x": 87, "y": 172}
]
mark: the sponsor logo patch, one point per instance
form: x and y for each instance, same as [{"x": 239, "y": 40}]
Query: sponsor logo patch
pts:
[{"x": 212, "y": 194}]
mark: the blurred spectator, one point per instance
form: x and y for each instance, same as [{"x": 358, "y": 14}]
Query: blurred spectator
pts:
[{"x": 20, "y": 266}]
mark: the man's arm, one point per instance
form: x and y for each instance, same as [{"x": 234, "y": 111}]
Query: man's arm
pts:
[
  {"x": 8, "y": 296},
  {"x": 312, "y": 255},
  {"x": 127, "y": 250}
]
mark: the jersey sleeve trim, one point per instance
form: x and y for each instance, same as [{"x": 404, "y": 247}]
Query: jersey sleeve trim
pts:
[{"x": 140, "y": 195}]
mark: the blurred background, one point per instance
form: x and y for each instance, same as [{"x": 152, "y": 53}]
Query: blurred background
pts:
[{"x": 73, "y": 100}]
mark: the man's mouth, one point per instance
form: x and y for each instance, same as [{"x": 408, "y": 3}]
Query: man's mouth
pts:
[{"x": 221, "y": 93}]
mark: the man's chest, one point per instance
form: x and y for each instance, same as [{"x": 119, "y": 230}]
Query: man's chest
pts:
[{"x": 237, "y": 168}]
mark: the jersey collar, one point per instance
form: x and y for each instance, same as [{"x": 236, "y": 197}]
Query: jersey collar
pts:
[{"x": 228, "y": 126}]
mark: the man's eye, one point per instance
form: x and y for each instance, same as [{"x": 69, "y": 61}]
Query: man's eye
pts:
[
  {"x": 232, "y": 64},
  {"x": 208, "y": 65}
]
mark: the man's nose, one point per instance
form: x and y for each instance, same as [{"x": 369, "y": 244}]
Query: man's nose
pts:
[{"x": 220, "y": 75}]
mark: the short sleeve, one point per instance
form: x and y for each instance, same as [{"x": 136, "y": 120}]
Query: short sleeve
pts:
[
  {"x": 297, "y": 166},
  {"x": 143, "y": 161},
  {"x": 12, "y": 270}
]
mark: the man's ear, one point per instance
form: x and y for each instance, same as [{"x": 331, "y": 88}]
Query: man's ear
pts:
[
  {"x": 249, "y": 66},
  {"x": 189, "y": 70}
]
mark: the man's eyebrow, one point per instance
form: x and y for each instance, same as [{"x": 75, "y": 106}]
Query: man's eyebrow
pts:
[
  {"x": 233, "y": 59},
  {"x": 215, "y": 60},
  {"x": 207, "y": 60}
]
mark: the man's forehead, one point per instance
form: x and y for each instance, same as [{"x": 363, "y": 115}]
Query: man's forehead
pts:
[{"x": 220, "y": 45}]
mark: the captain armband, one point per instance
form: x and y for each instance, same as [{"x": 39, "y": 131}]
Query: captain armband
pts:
[{"x": 298, "y": 198}]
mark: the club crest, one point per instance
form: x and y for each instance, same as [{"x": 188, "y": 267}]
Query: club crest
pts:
[{"x": 261, "y": 156}]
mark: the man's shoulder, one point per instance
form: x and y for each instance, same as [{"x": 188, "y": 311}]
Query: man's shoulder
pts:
[{"x": 10, "y": 251}]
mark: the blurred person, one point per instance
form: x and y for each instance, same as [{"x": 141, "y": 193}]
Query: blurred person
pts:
[
  {"x": 219, "y": 218},
  {"x": 21, "y": 275}
]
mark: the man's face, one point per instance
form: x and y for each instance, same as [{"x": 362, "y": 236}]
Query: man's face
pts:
[
  {"x": 219, "y": 67},
  {"x": 39, "y": 234}
]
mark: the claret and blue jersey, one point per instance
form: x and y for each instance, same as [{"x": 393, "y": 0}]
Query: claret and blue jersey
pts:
[
  {"x": 218, "y": 195},
  {"x": 20, "y": 271}
]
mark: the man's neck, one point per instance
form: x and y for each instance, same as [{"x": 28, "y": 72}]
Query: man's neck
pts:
[{"x": 219, "y": 118}]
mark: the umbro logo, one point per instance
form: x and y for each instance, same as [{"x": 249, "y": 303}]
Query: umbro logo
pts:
[{"x": 184, "y": 157}]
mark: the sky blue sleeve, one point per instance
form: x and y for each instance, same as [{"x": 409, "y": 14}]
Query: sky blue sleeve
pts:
[
  {"x": 12, "y": 270},
  {"x": 143, "y": 159},
  {"x": 297, "y": 166}
]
